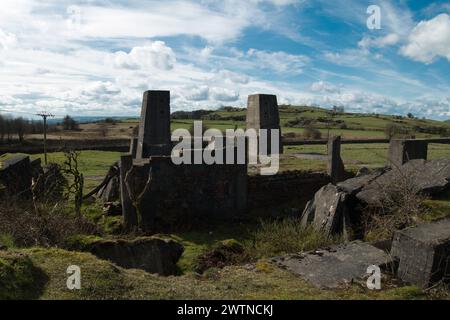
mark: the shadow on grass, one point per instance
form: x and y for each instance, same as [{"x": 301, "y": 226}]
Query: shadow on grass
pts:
[{"x": 20, "y": 279}]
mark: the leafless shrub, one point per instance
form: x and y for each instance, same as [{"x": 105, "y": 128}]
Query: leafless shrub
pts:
[
  {"x": 400, "y": 206},
  {"x": 75, "y": 188},
  {"x": 50, "y": 226}
]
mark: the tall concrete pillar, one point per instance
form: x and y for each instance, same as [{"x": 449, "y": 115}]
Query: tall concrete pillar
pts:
[
  {"x": 262, "y": 113},
  {"x": 154, "y": 127},
  {"x": 128, "y": 210}
]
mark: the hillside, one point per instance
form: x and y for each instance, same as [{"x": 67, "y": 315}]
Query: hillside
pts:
[{"x": 294, "y": 120}]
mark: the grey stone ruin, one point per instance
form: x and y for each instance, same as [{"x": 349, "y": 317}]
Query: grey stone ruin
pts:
[
  {"x": 423, "y": 253},
  {"x": 335, "y": 165},
  {"x": 401, "y": 151},
  {"x": 133, "y": 147},
  {"x": 154, "y": 127},
  {"x": 262, "y": 113}
]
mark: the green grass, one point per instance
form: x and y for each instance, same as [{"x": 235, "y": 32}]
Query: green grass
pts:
[{"x": 103, "y": 280}]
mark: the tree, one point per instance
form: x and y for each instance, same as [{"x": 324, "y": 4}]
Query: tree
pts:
[
  {"x": 20, "y": 125},
  {"x": 69, "y": 123}
]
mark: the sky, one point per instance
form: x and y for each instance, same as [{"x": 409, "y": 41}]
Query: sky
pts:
[{"x": 97, "y": 57}]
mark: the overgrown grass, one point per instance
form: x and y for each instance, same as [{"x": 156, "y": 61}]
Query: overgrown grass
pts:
[{"x": 273, "y": 238}]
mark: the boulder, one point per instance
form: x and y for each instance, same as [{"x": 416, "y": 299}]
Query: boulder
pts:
[
  {"x": 423, "y": 253},
  {"x": 354, "y": 185},
  {"x": 112, "y": 209},
  {"x": 336, "y": 266},
  {"x": 152, "y": 254},
  {"x": 328, "y": 211},
  {"x": 429, "y": 177}
]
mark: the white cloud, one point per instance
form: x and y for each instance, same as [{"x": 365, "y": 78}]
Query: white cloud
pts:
[
  {"x": 279, "y": 61},
  {"x": 322, "y": 86},
  {"x": 7, "y": 40},
  {"x": 154, "y": 55},
  {"x": 381, "y": 42},
  {"x": 429, "y": 40},
  {"x": 224, "y": 95}
]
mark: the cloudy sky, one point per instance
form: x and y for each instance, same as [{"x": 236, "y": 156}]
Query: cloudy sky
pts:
[{"x": 96, "y": 57}]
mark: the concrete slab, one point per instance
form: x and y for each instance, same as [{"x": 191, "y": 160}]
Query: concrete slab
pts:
[{"x": 336, "y": 266}]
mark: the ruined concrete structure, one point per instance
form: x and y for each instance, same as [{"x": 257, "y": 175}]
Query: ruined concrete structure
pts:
[
  {"x": 335, "y": 165},
  {"x": 262, "y": 113},
  {"x": 156, "y": 192},
  {"x": 423, "y": 253},
  {"x": 154, "y": 127},
  {"x": 401, "y": 151}
]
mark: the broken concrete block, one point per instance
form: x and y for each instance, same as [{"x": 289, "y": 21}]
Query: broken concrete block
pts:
[
  {"x": 423, "y": 253},
  {"x": 402, "y": 151},
  {"x": 429, "y": 177},
  {"x": 336, "y": 266},
  {"x": 16, "y": 175},
  {"x": 327, "y": 212}
]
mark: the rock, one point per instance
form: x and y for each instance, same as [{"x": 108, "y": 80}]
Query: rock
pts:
[
  {"x": 152, "y": 254},
  {"x": 16, "y": 175},
  {"x": 423, "y": 253},
  {"x": 336, "y": 266},
  {"x": 354, "y": 185},
  {"x": 328, "y": 211},
  {"x": 363, "y": 171},
  {"x": 112, "y": 209}
]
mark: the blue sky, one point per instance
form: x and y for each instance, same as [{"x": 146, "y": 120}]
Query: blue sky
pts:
[{"x": 96, "y": 57}]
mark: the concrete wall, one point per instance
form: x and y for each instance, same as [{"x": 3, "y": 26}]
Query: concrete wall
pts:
[{"x": 182, "y": 194}]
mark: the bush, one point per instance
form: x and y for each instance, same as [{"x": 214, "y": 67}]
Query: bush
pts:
[
  {"x": 49, "y": 227},
  {"x": 286, "y": 236},
  {"x": 312, "y": 133}
]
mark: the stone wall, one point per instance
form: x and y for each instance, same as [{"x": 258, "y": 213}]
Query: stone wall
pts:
[{"x": 290, "y": 188}]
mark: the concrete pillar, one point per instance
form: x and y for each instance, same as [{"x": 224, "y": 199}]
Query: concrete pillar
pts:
[
  {"x": 262, "y": 113},
  {"x": 128, "y": 211},
  {"x": 133, "y": 147},
  {"x": 335, "y": 165},
  {"x": 401, "y": 151},
  {"x": 154, "y": 127}
]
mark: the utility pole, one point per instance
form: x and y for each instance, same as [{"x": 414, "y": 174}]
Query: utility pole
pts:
[{"x": 44, "y": 116}]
